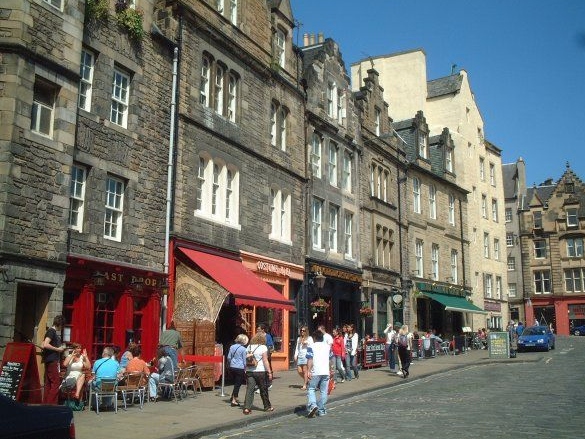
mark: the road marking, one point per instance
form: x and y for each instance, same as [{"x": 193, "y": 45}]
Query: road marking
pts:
[{"x": 548, "y": 360}]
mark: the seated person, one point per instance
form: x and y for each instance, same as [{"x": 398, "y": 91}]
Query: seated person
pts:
[
  {"x": 126, "y": 356},
  {"x": 137, "y": 364},
  {"x": 105, "y": 367},
  {"x": 75, "y": 362},
  {"x": 166, "y": 372}
]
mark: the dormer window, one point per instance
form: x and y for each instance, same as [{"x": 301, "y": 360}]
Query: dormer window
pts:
[
  {"x": 377, "y": 121},
  {"x": 279, "y": 47},
  {"x": 449, "y": 159},
  {"x": 572, "y": 219},
  {"x": 537, "y": 218},
  {"x": 422, "y": 145},
  {"x": 570, "y": 188}
]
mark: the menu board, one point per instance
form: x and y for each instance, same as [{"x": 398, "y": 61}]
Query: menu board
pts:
[
  {"x": 498, "y": 345},
  {"x": 374, "y": 354},
  {"x": 10, "y": 378}
]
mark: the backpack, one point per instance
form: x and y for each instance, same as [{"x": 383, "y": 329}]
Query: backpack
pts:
[
  {"x": 251, "y": 359},
  {"x": 403, "y": 340}
]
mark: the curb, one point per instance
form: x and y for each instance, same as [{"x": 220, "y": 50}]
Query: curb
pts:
[{"x": 291, "y": 410}]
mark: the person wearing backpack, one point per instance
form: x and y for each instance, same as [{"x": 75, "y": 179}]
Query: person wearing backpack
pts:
[
  {"x": 404, "y": 343},
  {"x": 257, "y": 367}
]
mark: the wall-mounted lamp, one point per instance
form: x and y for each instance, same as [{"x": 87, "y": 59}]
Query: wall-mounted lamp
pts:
[
  {"x": 137, "y": 285},
  {"x": 164, "y": 288},
  {"x": 99, "y": 279},
  {"x": 320, "y": 280}
]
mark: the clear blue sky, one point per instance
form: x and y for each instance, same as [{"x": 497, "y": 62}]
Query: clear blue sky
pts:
[{"x": 525, "y": 60}]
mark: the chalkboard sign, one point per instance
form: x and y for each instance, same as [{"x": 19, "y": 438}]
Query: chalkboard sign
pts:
[
  {"x": 19, "y": 376},
  {"x": 374, "y": 354},
  {"x": 498, "y": 345},
  {"x": 10, "y": 378}
]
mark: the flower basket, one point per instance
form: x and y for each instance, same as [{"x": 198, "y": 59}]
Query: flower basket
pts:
[
  {"x": 319, "y": 305},
  {"x": 366, "y": 312}
]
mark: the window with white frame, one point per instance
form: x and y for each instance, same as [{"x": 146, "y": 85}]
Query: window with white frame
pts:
[
  {"x": 86, "y": 79},
  {"x": 232, "y": 97},
  {"x": 511, "y": 264},
  {"x": 282, "y": 121},
  {"x": 509, "y": 239},
  {"x": 574, "y": 247},
  {"x": 449, "y": 159},
  {"x": 508, "y": 214},
  {"x": 57, "y": 4},
  {"x": 419, "y": 258},
  {"x": 332, "y": 164},
  {"x": 539, "y": 248},
  {"x": 435, "y": 262},
  {"x": 280, "y": 216},
  {"x": 217, "y": 191},
  {"x": 273, "y": 124},
  {"x": 41, "y": 121},
  {"x": 220, "y": 6},
  {"x": 377, "y": 122},
  {"x": 218, "y": 89},
  {"x": 229, "y": 194},
  {"x": 422, "y": 146},
  {"x": 215, "y": 187},
  {"x": 380, "y": 182},
  {"x": 416, "y": 194},
  {"x": 279, "y": 47},
  {"x": 234, "y": 11},
  {"x": 451, "y": 209},
  {"x": 481, "y": 169},
  {"x": 542, "y": 282},
  {"x": 201, "y": 167},
  {"x": 114, "y": 208},
  {"x": 486, "y": 245},
  {"x": 512, "y": 290},
  {"x": 496, "y": 249},
  {"x": 120, "y": 97},
  {"x": 574, "y": 280},
  {"x": 494, "y": 210},
  {"x": 333, "y": 227},
  {"x": 340, "y": 106},
  {"x": 498, "y": 287},
  {"x": 331, "y": 92},
  {"x": 77, "y": 197},
  {"x": 316, "y": 155},
  {"x": 484, "y": 206},
  {"x": 492, "y": 174},
  {"x": 385, "y": 186},
  {"x": 487, "y": 285},
  {"x": 454, "y": 269},
  {"x": 373, "y": 180},
  {"x": 317, "y": 220},
  {"x": 572, "y": 218},
  {"x": 348, "y": 220},
  {"x": 432, "y": 202},
  {"x": 204, "y": 82},
  {"x": 346, "y": 172}
]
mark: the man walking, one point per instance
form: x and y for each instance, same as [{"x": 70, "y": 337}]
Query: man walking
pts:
[{"x": 318, "y": 372}]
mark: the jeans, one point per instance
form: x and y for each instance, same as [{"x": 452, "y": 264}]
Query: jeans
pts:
[
  {"x": 338, "y": 361},
  {"x": 52, "y": 383},
  {"x": 391, "y": 356},
  {"x": 172, "y": 352},
  {"x": 152, "y": 383},
  {"x": 351, "y": 365},
  {"x": 256, "y": 379},
  {"x": 239, "y": 376},
  {"x": 320, "y": 382}
]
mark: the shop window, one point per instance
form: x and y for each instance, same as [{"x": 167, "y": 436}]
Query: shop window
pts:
[
  {"x": 68, "y": 298},
  {"x": 137, "y": 320},
  {"x": 274, "y": 319},
  {"x": 103, "y": 326}
]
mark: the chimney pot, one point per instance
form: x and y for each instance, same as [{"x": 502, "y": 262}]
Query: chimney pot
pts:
[
  {"x": 305, "y": 39},
  {"x": 320, "y": 37},
  {"x": 312, "y": 39}
]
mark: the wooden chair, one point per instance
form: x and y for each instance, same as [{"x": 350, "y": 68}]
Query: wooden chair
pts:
[
  {"x": 191, "y": 380},
  {"x": 134, "y": 386},
  {"x": 108, "y": 388}
]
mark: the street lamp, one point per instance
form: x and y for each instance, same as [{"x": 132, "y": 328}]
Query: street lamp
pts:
[{"x": 320, "y": 281}]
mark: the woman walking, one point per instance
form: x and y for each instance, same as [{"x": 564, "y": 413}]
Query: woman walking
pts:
[
  {"x": 237, "y": 363},
  {"x": 257, "y": 369},
  {"x": 351, "y": 345},
  {"x": 404, "y": 342},
  {"x": 339, "y": 352},
  {"x": 304, "y": 340}
]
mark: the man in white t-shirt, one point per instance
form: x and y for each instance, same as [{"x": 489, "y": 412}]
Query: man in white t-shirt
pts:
[
  {"x": 318, "y": 371},
  {"x": 391, "y": 332},
  {"x": 327, "y": 338}
]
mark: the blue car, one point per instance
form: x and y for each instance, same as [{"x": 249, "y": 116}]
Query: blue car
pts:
[
  {"x": 536, "y": 337},
  {"x": 578, "y": 330}
]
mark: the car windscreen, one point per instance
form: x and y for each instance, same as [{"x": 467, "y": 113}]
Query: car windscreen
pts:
[{"x": 534, "y": 331}]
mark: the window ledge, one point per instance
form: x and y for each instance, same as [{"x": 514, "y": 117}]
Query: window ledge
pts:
[
  {"x": 109, "y": 238},
  {"x": 319, "y": 249},
  {"x": 216, "y": 220},
  {"x": 281, "y": 240}
]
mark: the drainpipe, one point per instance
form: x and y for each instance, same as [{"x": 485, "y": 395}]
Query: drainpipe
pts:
[{"x": 463, "y": 252}]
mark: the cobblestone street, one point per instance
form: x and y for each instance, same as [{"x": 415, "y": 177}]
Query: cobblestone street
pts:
[{"x": 480, "y": 401}]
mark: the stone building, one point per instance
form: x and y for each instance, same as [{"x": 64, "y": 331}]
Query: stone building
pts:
[
  {"x": 438, "y": 245},
  {"x": 384, "y": 253},
  {"x": 449, "y": 102},
  {"x": 333, "y": 155},
  {"x": 85, "y": 195},
  {"x": 552, "y": 230},
  {"x": 239, "y": 204},
  {"x": 514, "y": 179}
]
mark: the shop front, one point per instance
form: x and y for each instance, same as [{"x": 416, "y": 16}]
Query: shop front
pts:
[
  {"x": 334, "y": 296},
  {"x": 443, "y": 307},
  {"x": 494, "y": 320},
  {"x": 562, "y": 313},
  {"x": 108, "y": 304},
  {"x": 383, "y": 302}
]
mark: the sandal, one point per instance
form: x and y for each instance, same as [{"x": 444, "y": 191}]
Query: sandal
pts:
[
  {"x": 247, "y": 411},
  {"x": 269, "y": 409},
  {"x": 235, "y": 404}
]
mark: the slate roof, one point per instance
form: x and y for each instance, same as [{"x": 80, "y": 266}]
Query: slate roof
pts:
[
  {"x": 543, "y": 192},
  {"x": 444, "y": 86},
  {"x": 509, "y": 170}
]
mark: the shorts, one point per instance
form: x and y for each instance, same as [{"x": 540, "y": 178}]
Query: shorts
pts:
[{"x": 302, "y": 361}]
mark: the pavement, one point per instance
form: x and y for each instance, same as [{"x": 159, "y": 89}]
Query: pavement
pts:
[
  {"x": 208, "y": 413},
  {"x": 537, "y": 395}
]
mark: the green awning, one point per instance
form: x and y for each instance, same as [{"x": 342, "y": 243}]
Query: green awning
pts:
[{"x": 454, "y": 303}]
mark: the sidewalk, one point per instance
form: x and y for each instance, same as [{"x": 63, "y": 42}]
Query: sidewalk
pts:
[{"x": 209, "y": 413}]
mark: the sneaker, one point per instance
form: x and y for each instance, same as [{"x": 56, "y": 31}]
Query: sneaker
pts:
[
  {"x": 343, "y": 381},
  {"x": 322, "y": 413},
  {"x": 399, "y": 373},
  {"x": 269, "y": 387},
  {"x": 313, "y": 411}
]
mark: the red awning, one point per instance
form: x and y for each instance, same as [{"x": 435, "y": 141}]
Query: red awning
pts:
[{"x": 247, "y": 288}]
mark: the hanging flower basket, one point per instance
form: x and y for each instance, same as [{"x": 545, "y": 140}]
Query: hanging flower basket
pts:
[
  {"x": 366, "y": 311},
  {"x": 319, "y": 305}
]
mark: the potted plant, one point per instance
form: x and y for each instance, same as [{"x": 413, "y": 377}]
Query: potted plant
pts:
[
  {"x": 366, "y": 311},
  {"x": 319, "y": 305}
]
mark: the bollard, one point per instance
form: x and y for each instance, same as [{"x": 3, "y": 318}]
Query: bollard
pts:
[{"x": 222, "y": 394}]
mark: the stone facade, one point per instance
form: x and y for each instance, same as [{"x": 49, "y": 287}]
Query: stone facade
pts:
[{"x": 552, "y": 230}]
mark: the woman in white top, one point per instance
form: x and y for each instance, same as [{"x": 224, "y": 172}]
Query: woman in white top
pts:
[
  {"x": 304, "y": 340},
  {"x": 351, "y": 345},
  {"x": 257, "y": 367},
  {"x": 75, "y": 362},
  {"x": 404, "y": 342}
]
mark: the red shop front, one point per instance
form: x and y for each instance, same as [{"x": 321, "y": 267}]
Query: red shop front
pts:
[
  {"x": 107, "y": 304},
  {"x": 562, "y": 311}
]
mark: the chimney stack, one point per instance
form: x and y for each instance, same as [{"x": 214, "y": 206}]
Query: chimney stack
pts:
[
  {"x": 320, "y": 38},
  {"x": 312, "y": 39},
  {"x": 305, "y": 39}
]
